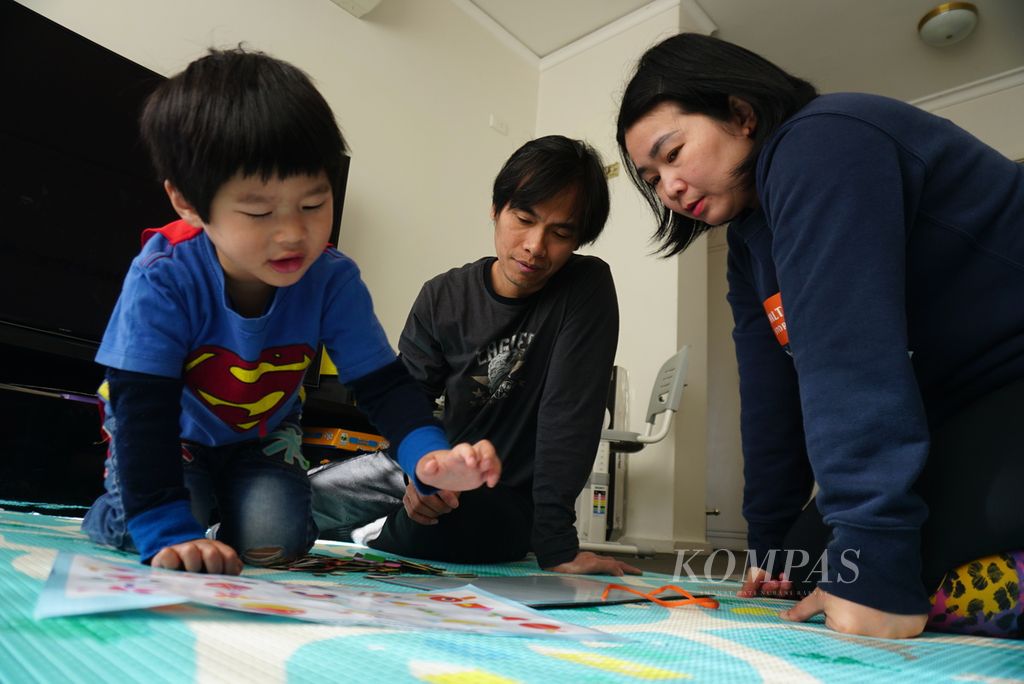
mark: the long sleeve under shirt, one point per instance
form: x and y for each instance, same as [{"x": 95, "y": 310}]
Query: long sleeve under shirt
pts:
[
  {"x": 185, "y": 366},
  {"x": 529, "y": 374},
  {"x": 877, "y": 291}
]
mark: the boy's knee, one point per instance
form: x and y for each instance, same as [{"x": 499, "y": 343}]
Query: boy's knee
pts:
[
  {"x": 267, "y": 555},
  {"x": 263, "y": 547}
]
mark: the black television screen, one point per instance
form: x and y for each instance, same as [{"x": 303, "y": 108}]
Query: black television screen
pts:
[{"x": 76, "y": 187}]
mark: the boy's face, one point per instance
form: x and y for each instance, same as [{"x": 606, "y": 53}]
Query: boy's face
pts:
[
  {"x": 268, "y": 234},
  {"x": 533, "y": 244}
]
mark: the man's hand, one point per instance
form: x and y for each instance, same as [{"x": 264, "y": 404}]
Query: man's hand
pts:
[
  {"x": 758, "y": 583},
  {"x": 848, "y": 617},
  {"x": 199, "y": 555},
  {"x": 464, "y": 467},
  {"x": 425, "y": 510},
  {"x": 589, "y": 563}
]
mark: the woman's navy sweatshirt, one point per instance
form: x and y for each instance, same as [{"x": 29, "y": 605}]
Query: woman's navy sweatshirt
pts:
[{"x": 878, "y": 289}]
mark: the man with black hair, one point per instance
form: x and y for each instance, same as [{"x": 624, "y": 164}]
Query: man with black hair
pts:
[{"x": 520, "y": 346}]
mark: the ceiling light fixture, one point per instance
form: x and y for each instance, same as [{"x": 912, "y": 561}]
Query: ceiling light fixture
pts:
[{"x": 948, "y": 23}]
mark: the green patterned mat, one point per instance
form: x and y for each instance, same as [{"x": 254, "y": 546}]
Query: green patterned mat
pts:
[{"x": 742, "y": 641}]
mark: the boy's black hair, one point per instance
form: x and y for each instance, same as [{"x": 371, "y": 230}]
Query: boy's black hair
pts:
[
  {"x": 699, "y": 74},
  {"x": 543, "y": 168},
  {"x": 242, "y": 111}
]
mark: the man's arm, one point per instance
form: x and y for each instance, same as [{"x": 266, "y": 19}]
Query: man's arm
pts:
[
  {"x": 420, "y": 346},
  {"x": 571, "y": 411}
]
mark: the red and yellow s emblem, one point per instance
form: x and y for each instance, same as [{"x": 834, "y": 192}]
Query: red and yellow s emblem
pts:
[{"x": 243, "y": 393}]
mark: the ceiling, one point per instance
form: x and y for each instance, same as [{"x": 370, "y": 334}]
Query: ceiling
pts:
[{"x": 866, "y": 45}]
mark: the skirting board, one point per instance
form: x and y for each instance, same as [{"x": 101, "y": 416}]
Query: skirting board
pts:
[{"x": 665, "y": 545}]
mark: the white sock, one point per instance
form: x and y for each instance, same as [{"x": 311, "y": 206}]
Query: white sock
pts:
[{"x": 368, "y": 532}]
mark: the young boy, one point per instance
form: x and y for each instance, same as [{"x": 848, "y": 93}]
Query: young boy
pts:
[{"x": 219, "y": 317}]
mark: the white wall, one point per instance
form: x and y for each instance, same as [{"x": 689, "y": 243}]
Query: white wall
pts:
[
  {"x": 579, "y": 97},
  {"x": 992, "y": 110},
  {"x": 727, "y": 529},
  {"x": 412, "y": 84}
]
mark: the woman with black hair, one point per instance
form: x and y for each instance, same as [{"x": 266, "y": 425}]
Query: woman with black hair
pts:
[{"x": 876, "y": 278}]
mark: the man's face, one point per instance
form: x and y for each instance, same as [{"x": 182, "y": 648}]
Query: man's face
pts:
[{"x": 532, "y": 244}]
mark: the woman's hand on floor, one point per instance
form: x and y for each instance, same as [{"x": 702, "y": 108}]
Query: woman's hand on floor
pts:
[
  {"x": 848, "y": 617},
  {"x": 589, "y": 563},
  {"x": 199, "y": 555},
  {"x": 758, "y": 583}
]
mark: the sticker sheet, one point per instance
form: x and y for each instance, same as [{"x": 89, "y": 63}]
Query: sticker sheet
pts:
[{"x": 81, "y": 584}]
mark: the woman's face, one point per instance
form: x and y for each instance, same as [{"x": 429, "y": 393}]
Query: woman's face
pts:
[{"x": 689, "y": 160}]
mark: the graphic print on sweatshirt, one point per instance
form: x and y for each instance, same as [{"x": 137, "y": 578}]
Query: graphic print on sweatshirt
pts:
[
  {"x": 777, "y": 318},
  {"x": 498, "y": 366},
  {"x": 243, "y": 393}
]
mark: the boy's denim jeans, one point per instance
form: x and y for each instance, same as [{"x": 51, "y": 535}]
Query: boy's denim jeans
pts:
[{"x": 259, "y": 489}]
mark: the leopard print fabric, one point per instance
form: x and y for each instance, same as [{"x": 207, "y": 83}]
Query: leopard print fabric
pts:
[{"x": 983, "y": 597}]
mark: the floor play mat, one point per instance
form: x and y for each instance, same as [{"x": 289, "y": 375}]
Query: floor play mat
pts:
[{"x": 179, "y": 640}]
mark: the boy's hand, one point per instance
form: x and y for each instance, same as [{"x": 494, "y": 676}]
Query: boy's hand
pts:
[
  {"x": 425, "y": 510},
  {"x": 848, "y": 617},
  {"x": 199, "y": 555},
  {"x": 464, "y": 467}
]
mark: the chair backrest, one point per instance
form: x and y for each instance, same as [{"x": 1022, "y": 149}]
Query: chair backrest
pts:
[{"x": 667, "y": 392}]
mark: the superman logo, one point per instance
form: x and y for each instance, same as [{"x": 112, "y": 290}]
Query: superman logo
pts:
[{"x": 245, "y": 394}]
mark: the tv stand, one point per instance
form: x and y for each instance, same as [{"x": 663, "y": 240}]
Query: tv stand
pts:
[
  {"x": 49, "y": 343},
  {"x": 51, "y": 449}
]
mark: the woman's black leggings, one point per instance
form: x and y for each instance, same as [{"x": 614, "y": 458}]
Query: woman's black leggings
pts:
[{"x": 973, "y": 484}]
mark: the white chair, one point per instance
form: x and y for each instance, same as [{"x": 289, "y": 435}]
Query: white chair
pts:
[{"x": 666, "y": 396}]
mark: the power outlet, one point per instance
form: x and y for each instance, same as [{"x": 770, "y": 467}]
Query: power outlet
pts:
[{"x": 498, "y": 124}]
